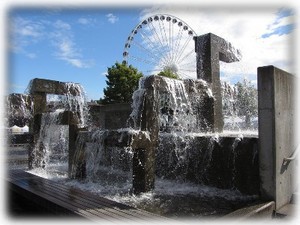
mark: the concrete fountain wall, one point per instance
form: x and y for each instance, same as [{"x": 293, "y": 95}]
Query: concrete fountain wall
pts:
[{"x": 156, "y": 144}]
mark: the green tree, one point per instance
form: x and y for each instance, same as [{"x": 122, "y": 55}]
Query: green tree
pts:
[
  {"x": 122, "y": 81},
  {"x": 246, "y": 100},
  {"x": 168, "y": 73}
]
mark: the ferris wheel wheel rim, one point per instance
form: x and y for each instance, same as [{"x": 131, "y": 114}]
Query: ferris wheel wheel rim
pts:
[{"x": 139, "y": 26}]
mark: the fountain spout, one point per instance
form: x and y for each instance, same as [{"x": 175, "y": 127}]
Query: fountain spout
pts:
[{"x": 211, "y": 49}]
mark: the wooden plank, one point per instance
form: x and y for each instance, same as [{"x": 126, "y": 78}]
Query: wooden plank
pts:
[
  {"x": 100, "y": 200},
  {"x": 69, "y": 202},
  {"x": 114, "y": 207},
  {"x": 45, "y": 200},
  {"x": 75, "y": 201},
  {"x": 108, "y": 203},
  {"x": 65, "y": 194}
]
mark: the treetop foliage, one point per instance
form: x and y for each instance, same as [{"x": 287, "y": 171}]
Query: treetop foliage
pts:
[
  {"x": 168, "y": 73},
  {"x": 122, "y": 81}
]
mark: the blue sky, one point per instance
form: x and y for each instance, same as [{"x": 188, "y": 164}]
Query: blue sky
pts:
[
  {"x": 67, "y": 45},
  {"x": 78, "y": 45}
]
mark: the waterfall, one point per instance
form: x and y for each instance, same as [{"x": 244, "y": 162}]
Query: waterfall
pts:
[
  {"x": 240, "y": 107},
  {"x": 51, "y": 149},
  {"x": 74, "y": 100},
  {"x": 109, "y": 151},
  {"x": 176, "y": 113}
]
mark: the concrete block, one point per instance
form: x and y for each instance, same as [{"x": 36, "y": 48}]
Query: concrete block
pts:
[
  {"x": 52, "y": 87},
  {"x": 277, "y": 126},
  {"x": 211, "y": 49}
]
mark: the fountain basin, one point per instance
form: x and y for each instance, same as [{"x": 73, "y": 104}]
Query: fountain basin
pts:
[{"x": 226, "y": 161}]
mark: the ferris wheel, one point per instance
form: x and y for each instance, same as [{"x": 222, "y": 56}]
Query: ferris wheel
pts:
[{"x": 162, "y": 42}]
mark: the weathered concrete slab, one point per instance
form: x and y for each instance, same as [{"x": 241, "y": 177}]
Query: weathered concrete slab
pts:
[
  {"x": 52, "y": 87},
  {"x": 277, "y": 130},
  {"x": 112, "y": 116}
]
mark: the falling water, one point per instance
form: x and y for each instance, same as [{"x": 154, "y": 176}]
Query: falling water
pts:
[
  {"x": 74, "y": 100},
  {"x": 176, "y": 111},
  {"x": 52, "y": 147},
  {"x": 51, "y": 150},
  {"x": 240, "y": 105}
]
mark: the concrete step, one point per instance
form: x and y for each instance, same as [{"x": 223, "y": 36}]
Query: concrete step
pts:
[
  {"x": 287, "y": 210},
  {"x": 261, "y": 210}
]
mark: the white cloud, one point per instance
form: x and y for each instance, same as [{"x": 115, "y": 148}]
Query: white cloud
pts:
[
  {"x": 83, "y": 21},
  {"x": 62, "y": 25},
  {"x": 31, "y": 55},
  {"x": 281, "y": 22},
  {"x": 88, "y": 20},
  {"x": 27, "y": 28},
  {"x": 66, "y": 49},
  {"x": 24, "y": 32},
  {"x": 112, "y": 18},
  {"x": 244, "y": 29}
]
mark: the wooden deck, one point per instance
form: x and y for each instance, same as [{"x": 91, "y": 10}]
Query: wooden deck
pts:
[{"x": 64, "y": 200}]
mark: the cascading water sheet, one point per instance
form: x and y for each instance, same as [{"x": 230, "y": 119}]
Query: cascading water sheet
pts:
[{"x": 51, "y": 150}]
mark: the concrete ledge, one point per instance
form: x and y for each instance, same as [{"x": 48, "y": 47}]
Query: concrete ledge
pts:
[
  {"x": 288, "y": 210},
  {"x": 262, "y": 210}
]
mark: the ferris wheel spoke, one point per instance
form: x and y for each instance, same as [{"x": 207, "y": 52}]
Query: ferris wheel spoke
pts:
[
  {"x": 165, "y": 50},
  {"x": 186, "y": 56},
  {"x": 183, "y": 49},
  {"x": 177, "y": 45},
  {"x": 142, "y": 60},
  {"x": 163, "y": 32},
  {"x": 156, "y": 34},
  {"x": 154, "y": 47},
  {"x": 159, "y": 44},
  {"x": 171, "y": 38},
  {"x": 149, "y": 53},
  {"x": 162, "y": 41}
]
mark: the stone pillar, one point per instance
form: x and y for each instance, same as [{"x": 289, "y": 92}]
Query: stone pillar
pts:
[
  {"x": 39, "y": 107},
  {"x": 277, "y": 129},
  {"x": 35, "y": 126},
  {"x": 70, "y": 118},
  {"x": 210, "y": 49},
  {"x": 73, "y": 133},
  {"x": 144, "y": 145}
]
